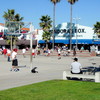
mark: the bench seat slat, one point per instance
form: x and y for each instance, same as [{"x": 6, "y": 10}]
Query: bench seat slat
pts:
[{"x": 81, "y": 76}]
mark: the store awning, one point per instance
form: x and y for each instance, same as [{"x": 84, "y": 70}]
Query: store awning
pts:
[
  {"x": 96, "y": 41},
  {"x": 55, "y": 41},
  {"x": 67, "y": 41},
  {"x": 19, "y": 42},
  {"x": 83, "y": 41}
]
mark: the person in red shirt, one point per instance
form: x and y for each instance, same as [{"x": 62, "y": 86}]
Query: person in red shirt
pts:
[{"x": 5, "y": 51}]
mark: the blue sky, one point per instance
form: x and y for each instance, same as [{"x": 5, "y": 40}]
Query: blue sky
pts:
[{"x": 32, "y": 10}]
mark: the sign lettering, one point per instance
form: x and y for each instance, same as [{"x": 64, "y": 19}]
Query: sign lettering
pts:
[{"x": 57, "y": 31}]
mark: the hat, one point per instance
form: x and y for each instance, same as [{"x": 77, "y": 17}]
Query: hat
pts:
[
  {"x": 75, "y": 59},
  {"x": 15, "y": 50}
]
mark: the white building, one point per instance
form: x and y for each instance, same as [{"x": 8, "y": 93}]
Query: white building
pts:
[
  {"x": 80, "y": 34},
  {"x": 2, "y": 28}
]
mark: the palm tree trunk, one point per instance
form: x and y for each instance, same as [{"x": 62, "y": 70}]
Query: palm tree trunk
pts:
[
  {"x": 46, "y": 45},
  {"x": 11, "y": 43},
  {"x": 53, "y": 41},
  {"x": 70, "y": 26}
]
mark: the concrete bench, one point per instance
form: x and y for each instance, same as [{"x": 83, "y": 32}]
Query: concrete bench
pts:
[{"x": 96, "y": 77}]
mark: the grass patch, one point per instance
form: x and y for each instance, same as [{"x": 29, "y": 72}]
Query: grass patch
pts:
[{"x": 54, "y": 90}]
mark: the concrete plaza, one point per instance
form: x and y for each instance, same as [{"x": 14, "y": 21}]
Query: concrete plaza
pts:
[{"x": 48, "y": 67}]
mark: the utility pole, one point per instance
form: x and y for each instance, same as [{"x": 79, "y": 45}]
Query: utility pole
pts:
[
  {"x": 53, "y": 40},
  {"x": 76, "y": 23},
  {"x": 31, "y": 44},
  {"x": 71, "y": 28}
]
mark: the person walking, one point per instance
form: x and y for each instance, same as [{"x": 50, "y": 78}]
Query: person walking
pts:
[
  {"x": 5, "y": 52},
  {"x": 74, "y": 51},
  {"x": 49, "y": 51},
  {"x": 33, "y": 52},
  {"x": 82, "y": 49},
  {"x": 23, "y": 52},
  {"x": 59, "y": 53},
  {"x": 8, "y": 54},
  {"x": 14, "y": 61}
]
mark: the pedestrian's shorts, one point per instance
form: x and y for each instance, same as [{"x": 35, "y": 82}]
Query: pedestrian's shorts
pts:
[{"x": 15, "y": 62}]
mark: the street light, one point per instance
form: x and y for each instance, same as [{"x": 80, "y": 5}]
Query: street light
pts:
[{"x": 76, "y": 23}]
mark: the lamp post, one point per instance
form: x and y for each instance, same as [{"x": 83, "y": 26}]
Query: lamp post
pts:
[{"x": 76, "y": 19}]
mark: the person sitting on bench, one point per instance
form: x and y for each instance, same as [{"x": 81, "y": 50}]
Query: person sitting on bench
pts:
[{"x": 76, "y": 67}]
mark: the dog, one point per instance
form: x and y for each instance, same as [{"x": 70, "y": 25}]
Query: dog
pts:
[{"x": 34, "y": 70}]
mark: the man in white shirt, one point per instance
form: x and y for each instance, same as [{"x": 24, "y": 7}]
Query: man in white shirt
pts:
[{"x": 76, "y": 67}]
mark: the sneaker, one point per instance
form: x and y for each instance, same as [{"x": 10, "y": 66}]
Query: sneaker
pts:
[
  {"x": 16, "y": 70},
  {"x": 59, "y": 58}
]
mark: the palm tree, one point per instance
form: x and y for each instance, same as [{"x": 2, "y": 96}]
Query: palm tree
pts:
[
  {"x": 12, "y": 21},
  {"x": 71, "y": 3},
  {"x": 45, "y": 24},
  {"x": 54, "y": 2},
  {"x": 11, "y": 16},
  {"x": 97, "y": 28},
  {"x": 8, "y": 16}
]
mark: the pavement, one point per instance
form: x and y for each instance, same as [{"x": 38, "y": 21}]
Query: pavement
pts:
[{"x": 49, "y": 68}]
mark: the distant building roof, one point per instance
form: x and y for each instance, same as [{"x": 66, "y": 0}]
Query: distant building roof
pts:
[
  {"x": 25, "y": 29},
  {"x": 1, "y": 24},
  {"x": 3, "y": 42},
  {"x": 26, "y": 42}
]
